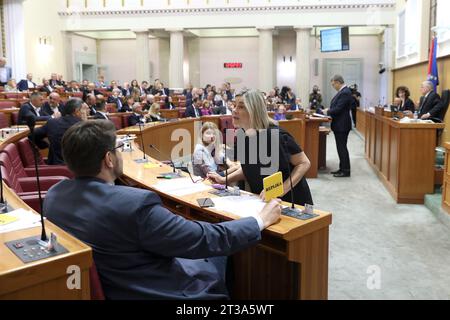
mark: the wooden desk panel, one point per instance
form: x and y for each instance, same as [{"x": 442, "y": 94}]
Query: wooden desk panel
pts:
[
  {"x": 361, "y": 121},
  {"x": 403, "y": 156},
  {"x": 446, "y": 184},
  {"x": 291, "y": 261},
  {"x": 45, "y": 279}
]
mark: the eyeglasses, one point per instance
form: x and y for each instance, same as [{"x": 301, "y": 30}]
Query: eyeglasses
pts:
[{"x": 121, "y": 145}]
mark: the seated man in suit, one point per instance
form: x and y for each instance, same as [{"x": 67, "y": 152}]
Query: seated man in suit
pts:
[
  {"x": 101, "y": 111},
  {"x": 430, "y": 103},
  {"x": 90, "y": 90},
  {"x": 27, "y": 84},
  {"x": 53, "y": 106},
  {"x": 193, "y": 111},
  {"x": 298, "y": 105},
  {"x": 33, "y": 109},
  {"x": 138, "y": 115},
  {"x": 54, "y": 81},
  {"x": 115, "y": 98},
  {"x": 46, "y": 87},
  {"x": 128, "y": 105},
  {"x": 141, "y": 249},
  {"x": 91, "y": 102},
  {"x": 54, "y": 129},
  {"x": 73, "y": 87}
]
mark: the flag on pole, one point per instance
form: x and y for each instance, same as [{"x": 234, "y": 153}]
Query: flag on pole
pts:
[{"x": 433, "y": 73}]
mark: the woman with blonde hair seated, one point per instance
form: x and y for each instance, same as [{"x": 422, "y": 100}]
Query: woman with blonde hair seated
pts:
[
  {"x": 154, "y": 114},
  {"x": 209, "y": 152}
]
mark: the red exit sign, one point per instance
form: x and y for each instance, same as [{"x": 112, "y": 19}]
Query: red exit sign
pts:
[{"x": 232, "y": 65}]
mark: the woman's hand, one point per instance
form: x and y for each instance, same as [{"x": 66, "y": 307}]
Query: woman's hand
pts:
[{"x": 215, "y": 178}]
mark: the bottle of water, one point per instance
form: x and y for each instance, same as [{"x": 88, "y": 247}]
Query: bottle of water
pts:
[{"x": 416, "y": 116}]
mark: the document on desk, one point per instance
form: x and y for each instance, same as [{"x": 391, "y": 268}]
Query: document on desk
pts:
[
  {"x": 25, "y": 220},
  {"x": 242, "y": 206},
  {"x": 181, "y": 187}
]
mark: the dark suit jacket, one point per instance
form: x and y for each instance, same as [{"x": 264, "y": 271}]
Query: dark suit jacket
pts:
[
  {"x": 27, "y": 110},
  {"x": 46, "y": 109},
  {"x": 133, "y": 120},
  {"x": 125, "y": 108},
  {"x": 86, "y": 92},
  {"x": 54, "y": 130},
  {"x": 126, "y": 92},
  {"x": 99, "y": 116},
  {"x": 46, "y": 89},
  {"x": 141, "y": 249},
  {"x": 408, "y": 106},
  {"x": 117, "y": 101},
  {"x": 23, "y": 85},
  {"x": 432, "y": 104},
  {"x": 72, "y": 90},
  {"x": 190, "y": 112},
  {"x": 339, "y": 111}
]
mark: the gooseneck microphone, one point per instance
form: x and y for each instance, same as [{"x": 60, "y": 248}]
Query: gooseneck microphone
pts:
[
  {"x": 144, "y": 159},
  {"x": 31, "y": 123},
  {"x": 3, "y": 204},
  {"x": 173, "y": 174}
]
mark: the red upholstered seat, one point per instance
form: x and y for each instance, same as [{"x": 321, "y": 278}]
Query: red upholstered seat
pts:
[
  {"x": 117, "y": 120},
  {"x": 15, "y": 118},
  {"x": 26, "y": 153},
  {"x": 3, "y": 121},
  {"x": 111, "y": 108},
  {"x": 7, "y": 104},
  {"x": 125, "y": 120},
  {"x": 95, "y": 284},
  {"x": 75, "y": 95},
  {"x": 20, "y": 95}
]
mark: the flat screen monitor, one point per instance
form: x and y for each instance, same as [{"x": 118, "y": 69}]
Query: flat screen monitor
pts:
[{"x": 332, "y": 40}]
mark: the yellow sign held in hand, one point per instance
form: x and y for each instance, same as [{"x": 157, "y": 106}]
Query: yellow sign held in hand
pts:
[{"x": 273, "y": 186}]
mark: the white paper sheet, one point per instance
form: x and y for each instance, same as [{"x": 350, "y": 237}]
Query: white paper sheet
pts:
[
  {"x": 243, "y": 206},
  {"x": 27, "y": 220},
  {"x": 181, "y": 187}
]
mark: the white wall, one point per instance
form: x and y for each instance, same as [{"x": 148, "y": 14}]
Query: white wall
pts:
[
  {"x": 364, "y": 47},
  {"x": 214, "y": 52},
  {"x": 285, "y": 71}
]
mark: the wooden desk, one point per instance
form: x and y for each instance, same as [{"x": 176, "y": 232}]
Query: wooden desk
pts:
[
  {"x": 446, "y": 184},
  {"x": 291, "y": 261},
  {"x": 403, "y": 156},
  {"x": 8, "y": 113},
  {"x": 169, "y": 114},
  {"x": 361, "y": 121},
  {"x": 45, "y": 279}
]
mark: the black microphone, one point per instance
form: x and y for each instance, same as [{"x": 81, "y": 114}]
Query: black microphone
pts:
[
  {"x": 31, "y": 123},
  {"x": 292, "y": 211},
  {"x": 3, "y": 205},
  {"x": 144, "y": 159},
  {"x": 173, "y": 174},
  {"x": 225, "y": 156}
]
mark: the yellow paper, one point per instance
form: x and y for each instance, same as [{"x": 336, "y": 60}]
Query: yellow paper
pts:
[
  {"x": 273, "y": 186},
  {"x": 5, "y": 219},
  {"x": 150, "y": 165}
]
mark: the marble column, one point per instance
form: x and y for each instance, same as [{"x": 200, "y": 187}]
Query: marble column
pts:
[
  {"x": 266, "y": 63},
  {"x": 15, "y": 37},
  {"x": 143, "y": 55},
  {"x": 68, "y": 52},
  {"x": 303, "y": 64},
  {"x": 176, "y": 60}
]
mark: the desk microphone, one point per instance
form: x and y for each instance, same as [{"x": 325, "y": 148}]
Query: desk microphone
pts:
[
  {"x": 144, "y": 159},
  {"x": 173, "y": 174},
  {"x": 31, "y": 123},
  {"x": 3, "y": 204},
  {"x": 292, "y": 209}
]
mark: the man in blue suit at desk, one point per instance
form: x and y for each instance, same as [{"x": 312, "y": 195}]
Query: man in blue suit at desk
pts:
[{"x": 141, "y": 249}]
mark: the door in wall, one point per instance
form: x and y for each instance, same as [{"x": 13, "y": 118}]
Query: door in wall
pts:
[{"x": 350, "y": 69}]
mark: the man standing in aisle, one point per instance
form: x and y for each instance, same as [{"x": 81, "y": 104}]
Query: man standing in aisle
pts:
[{"x": 341, "y": 124}]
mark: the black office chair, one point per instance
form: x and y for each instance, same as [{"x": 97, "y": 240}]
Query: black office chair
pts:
[{"x": 445, "y": 101}]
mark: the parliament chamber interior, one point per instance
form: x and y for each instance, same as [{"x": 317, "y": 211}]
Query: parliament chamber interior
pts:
[{"x": 224, "y": 150}]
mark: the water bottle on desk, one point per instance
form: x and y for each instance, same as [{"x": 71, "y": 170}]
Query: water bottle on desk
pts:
[{"x": 416, "y": 116}]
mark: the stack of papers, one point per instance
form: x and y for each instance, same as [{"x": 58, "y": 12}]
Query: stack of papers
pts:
[
  {"x": 181, "y": 186},
  {"x": 243, "y": 206},
  {"x": 18, "y": 220}
]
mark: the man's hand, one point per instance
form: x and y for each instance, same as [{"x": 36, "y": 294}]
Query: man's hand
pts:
[
  {"x": 216, "y": 178},
  {"x": 271, "y": 213},
  {"x": 426, "y": 116},
  {"x": 56, "y": 114}
]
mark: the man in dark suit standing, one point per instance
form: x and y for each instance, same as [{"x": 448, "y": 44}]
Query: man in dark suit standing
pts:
[
  {"x": 339, "y": 111},
  {"x": 53, "y": 106},
  {"x": 26, "y": 84},
  {"x": 193, "y": 111},
  {"x": 141, "y": 249},
  {"x": 32, "y": 109},
  {"x": 430, "y": 103},
  {"x": 54, "y": 129}
]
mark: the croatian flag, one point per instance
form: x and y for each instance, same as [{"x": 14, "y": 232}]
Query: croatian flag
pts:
[{"x": 433, "y": 74}]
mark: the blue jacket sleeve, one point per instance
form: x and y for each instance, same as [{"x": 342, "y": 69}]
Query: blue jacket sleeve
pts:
[
  {"x": 343, "y": 104},
  {"x": 164, "y": 233}
]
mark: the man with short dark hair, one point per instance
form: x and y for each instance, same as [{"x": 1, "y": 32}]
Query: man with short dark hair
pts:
[
  {"x": 101, "y": 111},
  {"x": 32, "y": 109},
  {"x": 341, "y": 125},
  {"x": 193, "y": 110},
  {"x": 54, "y": 129},
  {"x": 141, "y": 249}
]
